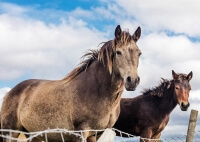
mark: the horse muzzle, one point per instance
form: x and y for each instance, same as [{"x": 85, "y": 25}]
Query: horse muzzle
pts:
[
  {"x": 184, "y": 106},
  {"x": 131, "y": 84}
]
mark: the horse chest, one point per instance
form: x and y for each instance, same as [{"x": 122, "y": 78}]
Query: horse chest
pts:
[{"x": 161, "y": 124}]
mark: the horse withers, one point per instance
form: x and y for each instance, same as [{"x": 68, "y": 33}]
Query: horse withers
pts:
[
  {"x": 88, "y": 98},
  {"x": 148, "y": 114}
]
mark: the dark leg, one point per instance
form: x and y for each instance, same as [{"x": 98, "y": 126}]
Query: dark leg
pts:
[
  {"x": 10, "y": 122},
  {"x": 91, "y": 139},
  {"x": 10, "y": 135},
  {"x": 157, "y": 136},
  {"x": 94, "y": 138},
  {"x": 7, "y": 124},
  {"x": 33, "y": 140},
  {"x": 83, "y": 126},
  {"x": 145, "y": 135}
]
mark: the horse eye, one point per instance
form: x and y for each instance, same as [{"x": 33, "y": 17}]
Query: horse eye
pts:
[
  {"x": 176, "y": 88},
  {"x": 118, "y": 53}
]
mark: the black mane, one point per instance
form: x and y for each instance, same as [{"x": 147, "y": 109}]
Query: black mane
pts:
[{"x": 159, "y": 90}]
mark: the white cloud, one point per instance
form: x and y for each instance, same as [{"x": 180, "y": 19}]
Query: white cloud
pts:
[
  {"x": 3, "y": 92},
  {"x": 161, "y": 54},
  {"x": 180, "y": 16},
  {"x": 175, "y": 130},
  {"x": 12, "y": 9},
  {"x": 195, "y": 97},
  {"x": 31, "y": 45}
]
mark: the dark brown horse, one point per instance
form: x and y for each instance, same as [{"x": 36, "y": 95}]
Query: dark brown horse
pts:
[
  {"x": 148, "y": 114},
  {"x": 88, "y": 98}
]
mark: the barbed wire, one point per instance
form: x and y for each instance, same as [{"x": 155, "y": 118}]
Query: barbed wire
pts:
[
  {"x": 196, "y": 138},
  {"x": 79, "y": 134},
  {"x": 32, "y": 135},
  {"x": 44, "y": 133}
]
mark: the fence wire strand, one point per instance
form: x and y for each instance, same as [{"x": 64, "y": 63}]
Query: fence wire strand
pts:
[{"x": 61, "y": 132}]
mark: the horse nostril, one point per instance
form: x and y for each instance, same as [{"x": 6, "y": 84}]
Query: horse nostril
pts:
[
  {"x": 188, "y": 104},
  {"x": 137, "y": 80},
  {"x": 182, "y": 104},
  {"x": 128, "y": 79}
]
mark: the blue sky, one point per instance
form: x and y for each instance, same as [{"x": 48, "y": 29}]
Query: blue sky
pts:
[
  {"x": 55, "y": 4},
  {"x": 45, "y": 39},
  {"x": 38, "y": 9}
]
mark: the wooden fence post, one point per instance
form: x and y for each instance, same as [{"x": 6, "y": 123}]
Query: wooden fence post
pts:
[{"x": 192, "y": 125}]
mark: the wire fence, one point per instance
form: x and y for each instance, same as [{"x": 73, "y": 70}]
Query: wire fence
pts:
[
  {"x": 196, "y": 138},
  {"x": 182, "y": 138},
  {"x": 62, "y": 132}
]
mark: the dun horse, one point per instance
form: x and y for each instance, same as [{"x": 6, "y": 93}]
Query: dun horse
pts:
[
  {"x": 148, "y": 114},
  {"x": 88, "y": 98}
]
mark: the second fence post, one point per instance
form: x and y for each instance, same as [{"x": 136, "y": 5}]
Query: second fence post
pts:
[{"x": 191, "y": 125}]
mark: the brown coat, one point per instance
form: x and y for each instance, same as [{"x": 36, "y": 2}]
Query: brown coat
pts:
[
  {"x": 88, "y": 98},
  {"x": 148, "y": 114}
]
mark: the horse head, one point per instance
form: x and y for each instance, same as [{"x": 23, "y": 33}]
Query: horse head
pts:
[
  {"x": 126, "y": 57},
  {"x": 181, "y": 89}
]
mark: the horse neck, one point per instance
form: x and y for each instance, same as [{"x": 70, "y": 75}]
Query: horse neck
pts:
[
  {"x": 168, "y": 102},
  {"x": 110, "y": 84},
  {"x": 114, "y": 81}
]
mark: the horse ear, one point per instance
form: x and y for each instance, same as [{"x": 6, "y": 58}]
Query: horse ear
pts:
[
  {"x": 174, "y": 75},
  {"x": 189, "y": 76},
  {"x": 137, "y": 34},
  {"x": 118, "y": 32}
]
